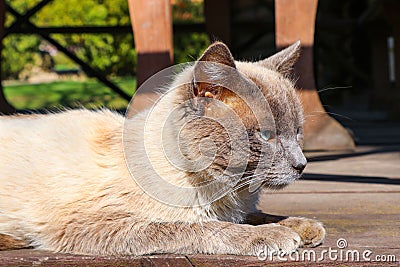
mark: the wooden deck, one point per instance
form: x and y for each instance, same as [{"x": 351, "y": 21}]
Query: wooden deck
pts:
[{"x": 356, "y": 195}]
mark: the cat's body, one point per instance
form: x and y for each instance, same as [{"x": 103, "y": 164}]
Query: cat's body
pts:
[{"x": 66, "y": 185}]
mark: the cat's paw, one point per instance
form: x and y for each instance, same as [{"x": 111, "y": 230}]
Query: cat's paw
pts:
[
  {"x": 312, "y": 232},
  {"x": 273, "y": 238}
]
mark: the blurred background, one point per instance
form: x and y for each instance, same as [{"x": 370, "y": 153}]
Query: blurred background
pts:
[
  {"x": 36, "y": 75},
  {"x": 356, "y": 52}
]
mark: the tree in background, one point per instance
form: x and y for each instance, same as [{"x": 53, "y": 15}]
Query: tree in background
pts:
[
  {"x": 112, "y": 54},
  {"x": 109, "y": 53}
]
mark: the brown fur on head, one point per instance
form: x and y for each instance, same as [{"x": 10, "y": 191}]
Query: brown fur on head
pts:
[{"x": 274, "y": 147}]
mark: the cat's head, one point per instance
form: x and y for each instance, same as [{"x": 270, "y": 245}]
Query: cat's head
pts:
[{"x": 243, "y": 118}]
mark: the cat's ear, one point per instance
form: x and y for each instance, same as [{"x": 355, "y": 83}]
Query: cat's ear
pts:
[
  {"x": 218, "y": 52},
  {"x": 284, "y": 60},
  {"x": 214, "y": 64}
]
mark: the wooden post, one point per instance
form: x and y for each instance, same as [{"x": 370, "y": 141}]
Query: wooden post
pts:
[
  {"x": 5, "y": 107},
  {"x": 152, "y": 29},
  {"x": 295, "y": 20}
]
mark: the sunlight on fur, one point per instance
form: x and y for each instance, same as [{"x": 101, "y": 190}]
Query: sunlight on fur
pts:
[{"x": 183, "y": 176}]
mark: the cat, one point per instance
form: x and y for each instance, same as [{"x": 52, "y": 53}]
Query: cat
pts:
[{"x": 94, "y": 182}]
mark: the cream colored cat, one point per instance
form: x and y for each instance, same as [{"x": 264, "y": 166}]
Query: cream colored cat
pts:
[{"x": 66, "y": 185}]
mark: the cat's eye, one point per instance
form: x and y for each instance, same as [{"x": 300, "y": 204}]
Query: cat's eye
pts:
[{"x": 266, "y": 134}]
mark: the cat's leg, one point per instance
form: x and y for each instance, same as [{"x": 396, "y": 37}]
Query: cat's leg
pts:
[
  {"x": 312, "y": 232},
  {"x": 8, "y": 242},
  {"x": 126, "y": 237},
  {"x": 225, "y": 238}
]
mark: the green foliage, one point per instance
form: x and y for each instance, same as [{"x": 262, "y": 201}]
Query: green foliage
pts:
[
  {"x": 188, "y": 10},
  {"x": 112, "y": 54},
  {"x": 189, "y": 46},
  {"x": 19, "y": 53}
]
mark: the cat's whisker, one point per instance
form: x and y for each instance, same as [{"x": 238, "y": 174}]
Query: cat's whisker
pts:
[
  {"x": 248, "y": 183},
  {"x": 192, "y": 57},
  {"x": 250, "y": 177},
  {"x": 333, "y": 88},
  {"x": 239, "y": 190},
  {"x": 252, "y": 180},
  {"x": 215, "y": 180},
  {"x": 295, "y": 80},
  {"x": 331, "y": 113}
]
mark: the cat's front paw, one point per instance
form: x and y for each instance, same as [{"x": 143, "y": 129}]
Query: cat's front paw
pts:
[
  {"x": 273, "y": 238},
  {"x": 312, "y": 232}
]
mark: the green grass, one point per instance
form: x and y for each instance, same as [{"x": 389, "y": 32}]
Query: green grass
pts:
[
  {"x": 60, "y": 67},
  {"x": 89, "y": 93},
  {"x": 62, "y": 62}
]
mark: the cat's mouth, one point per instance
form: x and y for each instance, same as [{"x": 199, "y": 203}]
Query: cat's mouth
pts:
[
  {"x": 280, "y": 181},
  {"x": 273, "y": 181}
]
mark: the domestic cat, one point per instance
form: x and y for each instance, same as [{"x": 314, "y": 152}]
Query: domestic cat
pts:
[{"x": 94, "y": 182}]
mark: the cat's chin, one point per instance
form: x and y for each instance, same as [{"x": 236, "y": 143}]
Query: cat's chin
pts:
[{"x": 279, "y": 183}]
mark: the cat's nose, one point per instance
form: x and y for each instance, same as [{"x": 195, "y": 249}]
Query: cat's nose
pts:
[
  {"x": 297, "y": 158},
  {"x": 299, "y": 164}
]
